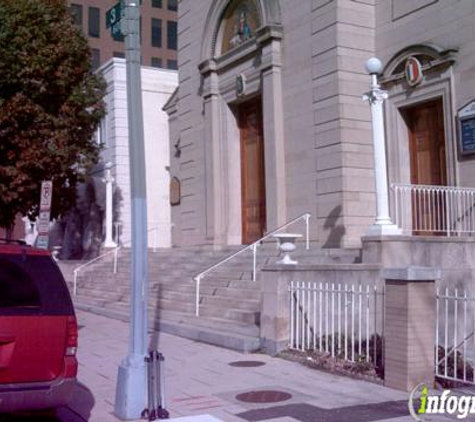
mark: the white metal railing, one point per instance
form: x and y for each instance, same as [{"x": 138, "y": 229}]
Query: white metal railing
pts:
[
  {"x": 454, "y": 336},
  {"x": 341, "y": 319},
  {"x": 114, "y": 252},
  {"x": 446, "y": 210},
  {"x": 253, "y": 247}
]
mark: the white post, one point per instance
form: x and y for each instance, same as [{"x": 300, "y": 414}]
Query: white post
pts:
[
  {"x": 197, "y": 301},
  {"x": 254, "y": 258},
  {"x": 109, "y": 242},
  {"x": 375, "y": 97},
  {"x": 307, "y": 232}
]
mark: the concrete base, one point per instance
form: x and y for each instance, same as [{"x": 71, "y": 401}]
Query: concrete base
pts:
[
  {"x": 131, "y": 392},
  {"x": 271, "y": 347},
  {"x": 384, "y": 230}
]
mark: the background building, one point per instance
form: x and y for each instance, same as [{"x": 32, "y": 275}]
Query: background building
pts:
[{"x": 158, "y": 31}]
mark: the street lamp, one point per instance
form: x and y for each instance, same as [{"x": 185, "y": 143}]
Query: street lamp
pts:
[
  {"x": 131, "y": 393},
  {"x": 375, "y": 97}
]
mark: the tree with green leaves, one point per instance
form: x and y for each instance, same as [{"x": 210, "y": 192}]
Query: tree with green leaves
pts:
[{"x": 50, "y": 106}]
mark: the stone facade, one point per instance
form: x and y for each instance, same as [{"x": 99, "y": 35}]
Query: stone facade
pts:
[
  {"x": 306, "y": 64},
  {"x": 157, "y": 86}
]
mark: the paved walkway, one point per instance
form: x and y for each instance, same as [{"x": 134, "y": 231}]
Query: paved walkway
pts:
[{"x": 200, "y": 381}]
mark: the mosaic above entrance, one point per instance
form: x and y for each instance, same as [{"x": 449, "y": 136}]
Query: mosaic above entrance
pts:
[{"x": 240, "y": 23}]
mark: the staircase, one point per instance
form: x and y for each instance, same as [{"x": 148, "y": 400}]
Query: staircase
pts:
[{"x": 230, "y": 301}]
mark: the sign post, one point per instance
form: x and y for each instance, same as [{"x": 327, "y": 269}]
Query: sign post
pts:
[
  {"x": 131, "y": 392},
  {"x": 44, "y": 215}
]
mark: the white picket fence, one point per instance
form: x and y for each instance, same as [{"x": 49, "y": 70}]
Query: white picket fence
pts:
[
  {"x": 455, "y": 341},
  {"x": 340, "y": 319}
]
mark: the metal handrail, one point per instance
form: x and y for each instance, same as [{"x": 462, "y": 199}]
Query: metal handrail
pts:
[
  {"x": 445, "y": 209},
  {"x": 114, "y": 251},
  {"x": 198, "y": 277}
]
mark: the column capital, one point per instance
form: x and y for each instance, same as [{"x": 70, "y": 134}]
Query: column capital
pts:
[{"x": 375, "y": 96}]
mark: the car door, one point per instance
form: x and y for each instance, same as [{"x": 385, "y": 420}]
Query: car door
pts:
[{"x": 32, "y": 333}]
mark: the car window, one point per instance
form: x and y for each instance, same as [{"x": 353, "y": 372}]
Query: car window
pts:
[{"x": 17, "y": 290}]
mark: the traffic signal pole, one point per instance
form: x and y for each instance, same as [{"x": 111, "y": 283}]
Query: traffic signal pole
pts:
[{"x": 131, "y": 392}]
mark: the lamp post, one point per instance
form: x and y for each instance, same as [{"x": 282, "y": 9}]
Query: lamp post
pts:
[
  {"x": 375, "y": 97},
  {"x": 108, "y": 179},
  {"x": 131, "y": 397}
]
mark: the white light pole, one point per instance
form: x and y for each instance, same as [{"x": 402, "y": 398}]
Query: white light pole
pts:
[
  {"x": 375, "y": 97},
  {"x": 131, "y": 392},
  {"x": 108, "y": 179}
]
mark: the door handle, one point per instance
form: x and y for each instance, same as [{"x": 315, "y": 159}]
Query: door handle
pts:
[{"x": 6, "y": 339}]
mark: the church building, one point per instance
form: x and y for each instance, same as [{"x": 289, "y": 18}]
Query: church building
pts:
[{"x": 269, "y": 121}]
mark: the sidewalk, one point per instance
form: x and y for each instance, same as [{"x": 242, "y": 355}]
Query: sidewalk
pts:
[{"x": 200, "y": 381}]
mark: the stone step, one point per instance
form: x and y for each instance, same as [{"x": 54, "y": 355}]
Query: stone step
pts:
[
  {"x": 206, "y": 310},
  {"x": 233, "y": 292},
  {"x": 232, "y": 335}
]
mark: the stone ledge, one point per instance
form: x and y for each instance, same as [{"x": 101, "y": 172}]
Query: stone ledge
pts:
[
  {"x": 413, "y": 273},
  {"x": 323, "y": 267}
]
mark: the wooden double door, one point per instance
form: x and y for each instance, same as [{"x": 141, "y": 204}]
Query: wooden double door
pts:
[
  {"x": 428, "y": 165},
  {"x": 253, "y": 185}
]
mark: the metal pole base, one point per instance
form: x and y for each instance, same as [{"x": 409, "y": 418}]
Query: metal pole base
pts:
[
  {"x": 155, "y": 414},
  {"x": 131, "y": 392}
]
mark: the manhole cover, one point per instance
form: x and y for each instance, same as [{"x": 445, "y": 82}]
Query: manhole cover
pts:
[
  {"x": 264, "y": 396},
  {"x": 246, "y": 363}
]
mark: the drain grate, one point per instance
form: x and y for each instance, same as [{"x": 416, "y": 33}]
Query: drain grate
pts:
[
  {"x": 264, "y": 396},
  {"x": 247, "y": 363}
]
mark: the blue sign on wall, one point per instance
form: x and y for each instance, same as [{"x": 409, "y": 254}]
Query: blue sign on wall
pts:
[
  {"x": 466, "y": 120},
  {"x": 467, "y": 135}
]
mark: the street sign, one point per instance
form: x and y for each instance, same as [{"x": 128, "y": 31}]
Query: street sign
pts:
[
  {"x": 43, "y": 222},
  {"x": 43, "y": 218},
  {"x": 114, "y": 14},
  {"x": 46, "y": 195},
  {"x": 116, "y": 32},
  {"x": 42, "y": 241}
]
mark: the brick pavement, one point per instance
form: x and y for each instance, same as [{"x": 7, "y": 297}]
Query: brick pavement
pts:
[{"x": 200, "y": 381}]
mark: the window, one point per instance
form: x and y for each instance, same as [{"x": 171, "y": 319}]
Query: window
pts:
[
  {"x": 173, "y": 5},
  {"x": 17, "y": 290},
  {"x": 172, "y": 64},
  {"x": 118, "y": 54},
  {"x": 94, "y": 22},
  {"x": 95, "y": 58},
  {"x": 76, "y": 13},
  {"x": 172, "y": 35},
  {"x": 156, "y": 32},
  {"x": 156, "y": 3},
  {"x": 156, "y": 62}
]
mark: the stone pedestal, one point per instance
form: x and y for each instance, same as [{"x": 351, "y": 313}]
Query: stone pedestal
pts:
[
  {"x": 410, "y": 308},
  {"x": 275, "y": 321}
]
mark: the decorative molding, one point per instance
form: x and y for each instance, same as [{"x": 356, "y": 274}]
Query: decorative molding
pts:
[
  {"x": 270, "y": 14},
  {"x": 432, "y": 58}
]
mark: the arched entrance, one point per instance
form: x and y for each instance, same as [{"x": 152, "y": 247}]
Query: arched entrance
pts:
[{"x": 243, "y": 116}]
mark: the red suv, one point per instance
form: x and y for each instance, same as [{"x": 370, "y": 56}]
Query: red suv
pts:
[{"x": 38, "y": 331}]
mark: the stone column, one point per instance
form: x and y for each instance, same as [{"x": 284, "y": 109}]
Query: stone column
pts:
[
  {"x": 409, "y": 335},
  {"x": 109, "y": 242},
  {"x": 213, "y": 155},
  {"x": 375, "y": 97},
  {"x": 269, "y": 39}
]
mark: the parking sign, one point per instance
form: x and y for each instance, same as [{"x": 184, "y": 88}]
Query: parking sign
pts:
[{"x": 46, "y": 195}]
